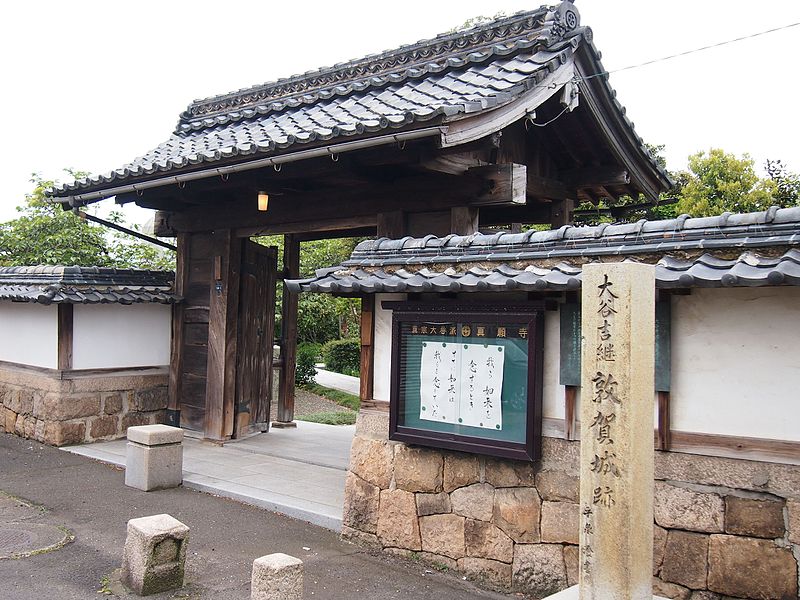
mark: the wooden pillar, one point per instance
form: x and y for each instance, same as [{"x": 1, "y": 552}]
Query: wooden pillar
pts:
[
  {"x": 367, "y": 348},
  {"x": 392, "y": 225},
  {"x": 464, "y": 220},
  {"x": 176, "y": 352},
  {"x": 223, "y": 322},
  {"x": 291, "y": 270},
  {"x": 570, "y": 415},
  {"x": 65, "y": 313},
  {"x": 664, "y": 431},
  {"x": 561, "y": 213}
]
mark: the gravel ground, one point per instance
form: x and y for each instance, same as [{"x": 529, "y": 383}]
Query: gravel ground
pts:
[{"x": 306, "y": 403}]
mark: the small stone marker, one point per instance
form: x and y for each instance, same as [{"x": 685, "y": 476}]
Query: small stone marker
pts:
[
  {"x": 617, "y": 404},
  {"x": 155, "y": 554},
  {"x": 154, "y": 458},
  {"x": 277, "y": 577}
]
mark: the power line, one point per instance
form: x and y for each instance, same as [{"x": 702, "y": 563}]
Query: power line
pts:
[
  {"x": 693, "y": 51},
  {"x": 580, "y": 78}
]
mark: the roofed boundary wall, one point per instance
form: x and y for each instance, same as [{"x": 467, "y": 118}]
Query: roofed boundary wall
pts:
[
  {"x": 84, "y": 351},
  {"x": 727, "y": 490},
  {"x": 723, "y": 527}
]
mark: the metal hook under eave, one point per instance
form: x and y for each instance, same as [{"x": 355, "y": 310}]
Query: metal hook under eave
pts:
[
  {"x": 334, "y": 157},
  {"x": 277, "y": 167},
  {"x": 138, "y": 191},
  {"x": 528, "y": 120},
  {"x": 400, "y": 143}
]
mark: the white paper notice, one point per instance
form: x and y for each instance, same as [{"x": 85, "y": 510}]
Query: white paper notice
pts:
[{"x": 462, "y": 384}]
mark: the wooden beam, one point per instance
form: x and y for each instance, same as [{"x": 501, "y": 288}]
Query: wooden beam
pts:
[
  {"x": 308, "y": 227},
  {"x": 328, "y": 234},
  {"x": 595, "y": 176},
  {"x": 291, "y": 270},
  {"x": 223, "y": 314},
  {"x": 534, "y": 212},
  {"x": 552, "y": 189},
  {"x": 507, "y": 184},
  {"x": 65, "y": 336},
  {"x": 367, "y": 348},
  {"x": 176, "y": 354},
  {"x": 464, "y": 220},
  {"x": 324, "y": 211},
  {"x": 780, "y": 451},
  {"x": 456, "y": 163}
]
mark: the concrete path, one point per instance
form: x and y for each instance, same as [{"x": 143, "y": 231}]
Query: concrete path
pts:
[
  {"x": 90, "y": 501},
  {"x": 296, "y": 472},
  {"x": 337, "y": 381}
]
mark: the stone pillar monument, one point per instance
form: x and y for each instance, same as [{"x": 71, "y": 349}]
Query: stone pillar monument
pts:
[{"x": 617, "y": 400}]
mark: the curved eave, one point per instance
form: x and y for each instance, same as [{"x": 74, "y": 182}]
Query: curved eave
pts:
[
  {"x": 222, "y": 164},
  {"x": 599, "y": 98}
]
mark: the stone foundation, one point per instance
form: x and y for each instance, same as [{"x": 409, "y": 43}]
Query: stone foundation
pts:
[
  {"x": 724, "y": 528},
  {"x": 61, "y": 408}
]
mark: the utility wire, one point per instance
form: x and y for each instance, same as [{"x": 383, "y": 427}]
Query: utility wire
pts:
[
  {"x": 580, "y": 78},
  {"x": 693, "y": 51}
]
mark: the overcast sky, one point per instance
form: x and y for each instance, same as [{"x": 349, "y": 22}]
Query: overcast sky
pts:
[{"x": 91, "y": 85}]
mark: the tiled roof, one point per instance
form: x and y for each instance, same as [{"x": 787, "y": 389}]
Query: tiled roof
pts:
[
  {"x": 450, "y": 77},
  {"x": 86, "y": 285},
  {"x": 761, "y": 248}
]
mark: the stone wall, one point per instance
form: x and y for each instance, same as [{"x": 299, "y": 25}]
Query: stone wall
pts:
[
  {"x": 60, "y": 408},
  {"x": 724, "y": 528}
]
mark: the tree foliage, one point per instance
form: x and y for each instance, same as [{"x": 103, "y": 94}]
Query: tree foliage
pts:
[
  {"x": 715, "y": 182},
  {"x": 787, "y": 183},
  {"x": 719, "y": 182},
  {"x": 45, "y": 234},
  {"x": 320, "y": 317}
]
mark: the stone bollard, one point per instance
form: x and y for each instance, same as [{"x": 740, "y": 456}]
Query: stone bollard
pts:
[
  {"x": 277, "y": 577},
  {"x": 154, "y": 457},
  {"x": 155, "y": 554}
]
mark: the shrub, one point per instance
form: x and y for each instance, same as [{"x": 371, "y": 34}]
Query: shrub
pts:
[
  {"x": 343, "y": 356},
  {"x": 307, "y": 354}
]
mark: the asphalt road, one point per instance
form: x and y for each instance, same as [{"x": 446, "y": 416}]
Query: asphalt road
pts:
[{"x": 91, "y": 500}]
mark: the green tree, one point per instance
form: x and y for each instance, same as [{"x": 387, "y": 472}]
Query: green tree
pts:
[
  {"x": 45, "y": 234},
  {"x": 320, "y": 317},
  {"x": 787, "y": 183},
  {"x": 718, "y": 181},
  {"x": 134, "y": 253}
]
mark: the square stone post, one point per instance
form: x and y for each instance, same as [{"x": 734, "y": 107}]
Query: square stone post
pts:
[
  {"x": 277, "y": 577},
  {"x": 617, "y": 403},
  {"x": 154, "y": 457},
  {"x": 154, "y": 559}
]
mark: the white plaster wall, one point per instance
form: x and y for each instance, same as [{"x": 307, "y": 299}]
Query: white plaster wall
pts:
[
  {"x": 736, "y": 362},
  {"x": 552, "y": 390},
  {"x": 116, "y": 335},
  {"x": 29, "y": 334},
  {"x": 382, "y": 365}
]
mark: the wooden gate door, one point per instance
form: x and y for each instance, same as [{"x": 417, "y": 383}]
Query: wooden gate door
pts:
[
  {"x": 190, "y": 332},
  {"x": 255, "y": 338}
]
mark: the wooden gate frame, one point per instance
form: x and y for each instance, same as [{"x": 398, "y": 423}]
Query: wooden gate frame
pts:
[{"x": 223, "y": 326}]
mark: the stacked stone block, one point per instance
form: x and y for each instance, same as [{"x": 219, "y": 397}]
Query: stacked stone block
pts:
[
  {"x": 724, "y": 528},
  {"x": 86, "y": 408}
]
